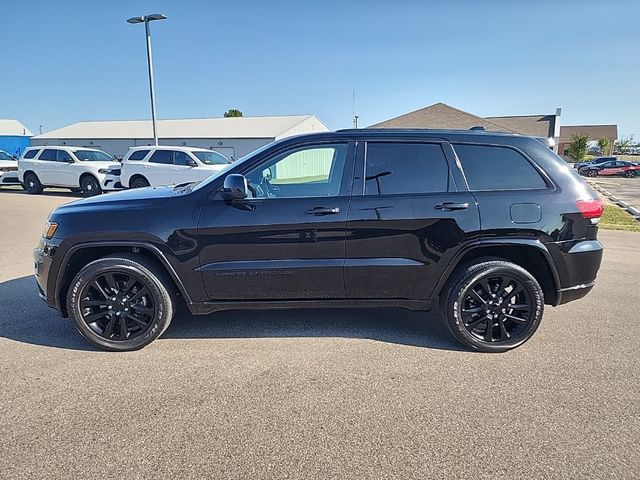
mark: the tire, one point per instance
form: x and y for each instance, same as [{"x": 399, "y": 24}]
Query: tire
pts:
[
  {"x": 32, "y": 184},
  {"x": 75, "y": 190},
  {"x": 146, "y": 314},
  {"x": 630, "y": 174},
  {"x": 474, "y": 316},
  {"x": 89, "y": 186},
  {"x": 139, "y": 182},
  {"x": 592, "y": 173}
]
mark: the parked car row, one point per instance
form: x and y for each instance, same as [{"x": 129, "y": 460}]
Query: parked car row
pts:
[
  {"x": 608, "y": 166},
  {"x": 93, "y": 171}
]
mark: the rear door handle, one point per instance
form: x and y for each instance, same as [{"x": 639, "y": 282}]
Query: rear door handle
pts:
[
  {"x": 322, "y": 211},
  {"x": 451, "y": 206}
]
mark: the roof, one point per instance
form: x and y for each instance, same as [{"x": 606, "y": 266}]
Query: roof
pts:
[
  {"x": 73, "y": 148},
  {"x": 14, "y": 128},
  {"x": 226, "y": 127},
  {"x": 595, "y": 132},
  {"x": 441, "y": 115}
]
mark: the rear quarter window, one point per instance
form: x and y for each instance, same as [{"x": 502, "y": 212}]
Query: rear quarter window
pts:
[
  {"x": 31, "y": 153},
  {"x": 138, "y": 154},
  {"x": 488, "y": 167}
]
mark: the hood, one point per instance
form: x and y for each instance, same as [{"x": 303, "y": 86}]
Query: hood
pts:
[
  {"x": 8, "y": 163},
  {"x": 124, "y": 199},
  {"x": 106, "y": 164}
]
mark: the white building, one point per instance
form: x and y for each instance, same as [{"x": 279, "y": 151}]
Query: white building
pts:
[{"x": 234, "y": 137}]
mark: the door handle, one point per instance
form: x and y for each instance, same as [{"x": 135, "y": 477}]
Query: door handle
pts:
[
  {"x": 451, "y": 206},
  {"x": 322, "y": 211}
]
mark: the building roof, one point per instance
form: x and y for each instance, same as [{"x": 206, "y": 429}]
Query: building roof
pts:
[
  {"x": 13, "y": 128},
  {"x": 595, "y": 132},
  {"x": 231, "y": 127},
  {"x": 441, "y": 115}
]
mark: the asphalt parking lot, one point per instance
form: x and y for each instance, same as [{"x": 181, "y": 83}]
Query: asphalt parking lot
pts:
[
  {"x": 317, "y": 394},
  {"x": 626, "y": 189}
]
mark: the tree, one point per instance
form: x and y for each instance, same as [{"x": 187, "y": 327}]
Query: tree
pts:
[
  {"x": 233, "y": 112},
  {"x": 604, "y": 144},
  {"x": 578, "y": 146},
  {"x": 622, "y": 145}
]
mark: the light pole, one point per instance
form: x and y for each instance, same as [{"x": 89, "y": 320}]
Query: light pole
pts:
[{"x": 146, "y": 19}]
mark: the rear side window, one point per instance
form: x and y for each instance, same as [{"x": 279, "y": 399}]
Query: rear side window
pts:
[
  {"x": 138, "y": 154},
  {"x": 49, "y": 155},
  {"x": 396, "y": 168},
  {"x": 497, "y": 168},
  {"x": 181, "y": 158},
  {"x": 64, "y": 156},
  {"x": 162, "y": 156},
  {"x": 31, "y": 153}
]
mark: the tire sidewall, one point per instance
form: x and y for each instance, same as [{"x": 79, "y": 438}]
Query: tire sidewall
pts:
[
  {"x": 153, "y": 283},
  {"x": 37, "y": 186},
  {"x": 453, "y": 307},
  {"x": 139, "y": 183},
  {"x": 96, "y": 190}
]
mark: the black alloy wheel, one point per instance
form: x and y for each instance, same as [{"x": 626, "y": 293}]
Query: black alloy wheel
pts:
[
  {"x": 139, "y": 182},
  {"x": 90, "y": 186},
  {"x": 630, "y": 174},
  {"x": 493, "y": 305},
  {"x": 32, "y": 184},
  {"x": 117, "y": 305},
  {"x": 592, "y": 173},
  {"x": 121, "y": 302},
  {"x": 496, "y": 308}
]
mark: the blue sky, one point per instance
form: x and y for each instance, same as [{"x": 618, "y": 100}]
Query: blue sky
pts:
[{"x": 67, "y": 61}]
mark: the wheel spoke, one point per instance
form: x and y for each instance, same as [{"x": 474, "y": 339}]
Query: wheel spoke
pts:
[
  {"x": 484, "y": 283},
  {"x": 108, "y": 329},
  {"x": 473, "y": 309},
  {"x": 92, "y": 317},
  {"x": 503, "y": 330},
  {"x": 519, "y": 306},
  {"x": 142, "y": 309},
  {"x": 84, "y": 303},
  {"x": 98, "y": 287},
  {"x": 123, "y": 327},
  {"x": 506, "y": 281},
  {"x": 478, "y": 296},
  {"x": 517, "y": 319},
  {"x": 475, "y": 322},
  {"x": 130, "y": 282},
  {"x": 142, "y": 324},
  {"x": 488, "y": 334},
  {"x": 142, "y": 292}
]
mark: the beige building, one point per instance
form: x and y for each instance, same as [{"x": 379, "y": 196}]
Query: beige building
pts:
[{"x": 594, "y": 132}]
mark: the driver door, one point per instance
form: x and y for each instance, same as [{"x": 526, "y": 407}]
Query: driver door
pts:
[{"x": 286, "y": 242}]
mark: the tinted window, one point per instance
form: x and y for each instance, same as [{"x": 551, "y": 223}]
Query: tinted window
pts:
[
  {"x": 31, "y": 153},
  {"x": 138, "y": 154},
  {"x": 211, "y": 158},
  {"x": 49, "y": 155},
  {"x": 63, "y": 156},
  {"x": 405, "y": 168},
  {"x": 93, "y": 156},
  {"x": 497, "y": 168},
  {"x": 313, "y": 171},
  {"x": 181, "y": 158},
  {"x": 162, "y": 156}
]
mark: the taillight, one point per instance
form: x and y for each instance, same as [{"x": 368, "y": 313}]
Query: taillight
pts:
[{"x": 590, "y": 208}]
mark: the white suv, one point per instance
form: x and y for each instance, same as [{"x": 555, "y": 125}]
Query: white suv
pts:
[
  {"x": 162, "y": 165},
  {"x": 87, "y": 170},
  {"x": 8, "y": 170}
]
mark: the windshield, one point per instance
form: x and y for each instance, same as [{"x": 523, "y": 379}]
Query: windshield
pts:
[
  {"x": 211, "y": 158},
  {"x": 237, "y": 163},
  {"x": 93, "y": 156},
  {"x": 5, "y": 156}
]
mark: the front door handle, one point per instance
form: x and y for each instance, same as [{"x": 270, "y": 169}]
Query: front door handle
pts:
[
  {"x": 451, "y": 206},
  {"x": 322, "y": 211}
]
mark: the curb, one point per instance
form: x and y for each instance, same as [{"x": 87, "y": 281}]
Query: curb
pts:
[{"x": 630, "y": 209}]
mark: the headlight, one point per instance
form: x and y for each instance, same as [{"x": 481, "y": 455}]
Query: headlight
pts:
[
  {"x": 110, "y": 171},
  {"x": 50, "y": 230}
]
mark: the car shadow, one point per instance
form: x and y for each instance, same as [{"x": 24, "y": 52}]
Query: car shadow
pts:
[
  {"x": 25, "y": 318},
  {"x": 46, "y": 193}
]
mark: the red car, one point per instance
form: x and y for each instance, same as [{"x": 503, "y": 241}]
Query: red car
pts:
[{"x": 613, "y": 168}]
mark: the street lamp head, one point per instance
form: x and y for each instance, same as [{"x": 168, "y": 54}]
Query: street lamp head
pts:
[
  {"x": 147, "y": 18},
  {"x": 135, "y": 20}
]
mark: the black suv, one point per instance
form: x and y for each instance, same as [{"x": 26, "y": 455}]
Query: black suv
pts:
[{"x": 489, "y": 226}]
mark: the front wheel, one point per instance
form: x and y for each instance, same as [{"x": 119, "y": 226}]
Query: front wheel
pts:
[
  {"x": 630, "y": 174},
  {"x": 121, "y": 302},
  {"x": 493, "y": 306},
  {"x": 90, "y": 186},
  {"x": 32, "y": 184},
  {"x": 592, "y": 173}
]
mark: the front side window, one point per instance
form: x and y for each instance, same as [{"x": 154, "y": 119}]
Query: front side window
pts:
[
  {"x": 312, "y": 171},
  {"x": 49, "y": 155},
  {"x": 138, "y": 154},
  {"x": 488, "y": 167},
  {"x": 64, "y": 157},
  {"x": 401, "y": 168},
  {"x": 162, "y": 156},
  {"x": 211, "y": 158},
  {"x": 31, "y": 153},
  {"x": 182, "y": 158},
  {"x": 93, "y": 156}
]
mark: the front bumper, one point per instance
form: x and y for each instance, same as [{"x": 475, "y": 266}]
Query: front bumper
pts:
[
  {"x": 42, "y": 260},
  {"x": 9, "y": 178},
  {"x": 110, "y": 183}
]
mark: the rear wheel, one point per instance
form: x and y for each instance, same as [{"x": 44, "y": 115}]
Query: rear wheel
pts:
[
  {"x": 32, "y": 184},
  {"x": 592, "y": 173},
  {"x": 493, "y": 306},
  {"x": 630, "y": 174},
  {"x": 139, "y": 182},
  {"x": 121, "y": 302},
  {"x": 89, "y": 186}
]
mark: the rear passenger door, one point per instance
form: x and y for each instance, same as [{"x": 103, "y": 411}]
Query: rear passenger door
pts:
[
  {"x": 159, "y": 168},
  {"x": 46, "y": 166},
  {"x": 407, "y": 220}
]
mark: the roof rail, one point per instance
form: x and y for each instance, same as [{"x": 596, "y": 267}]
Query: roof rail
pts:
[{"x": 477, "y": 128}]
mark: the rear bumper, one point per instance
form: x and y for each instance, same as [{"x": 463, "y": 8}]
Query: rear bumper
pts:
[{"x": 577, "y": 264}]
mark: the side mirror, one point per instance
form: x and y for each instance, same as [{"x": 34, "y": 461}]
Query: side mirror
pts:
[
  {"x": 235, "y": 187},
  {"x": 191, "y": 163}
]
